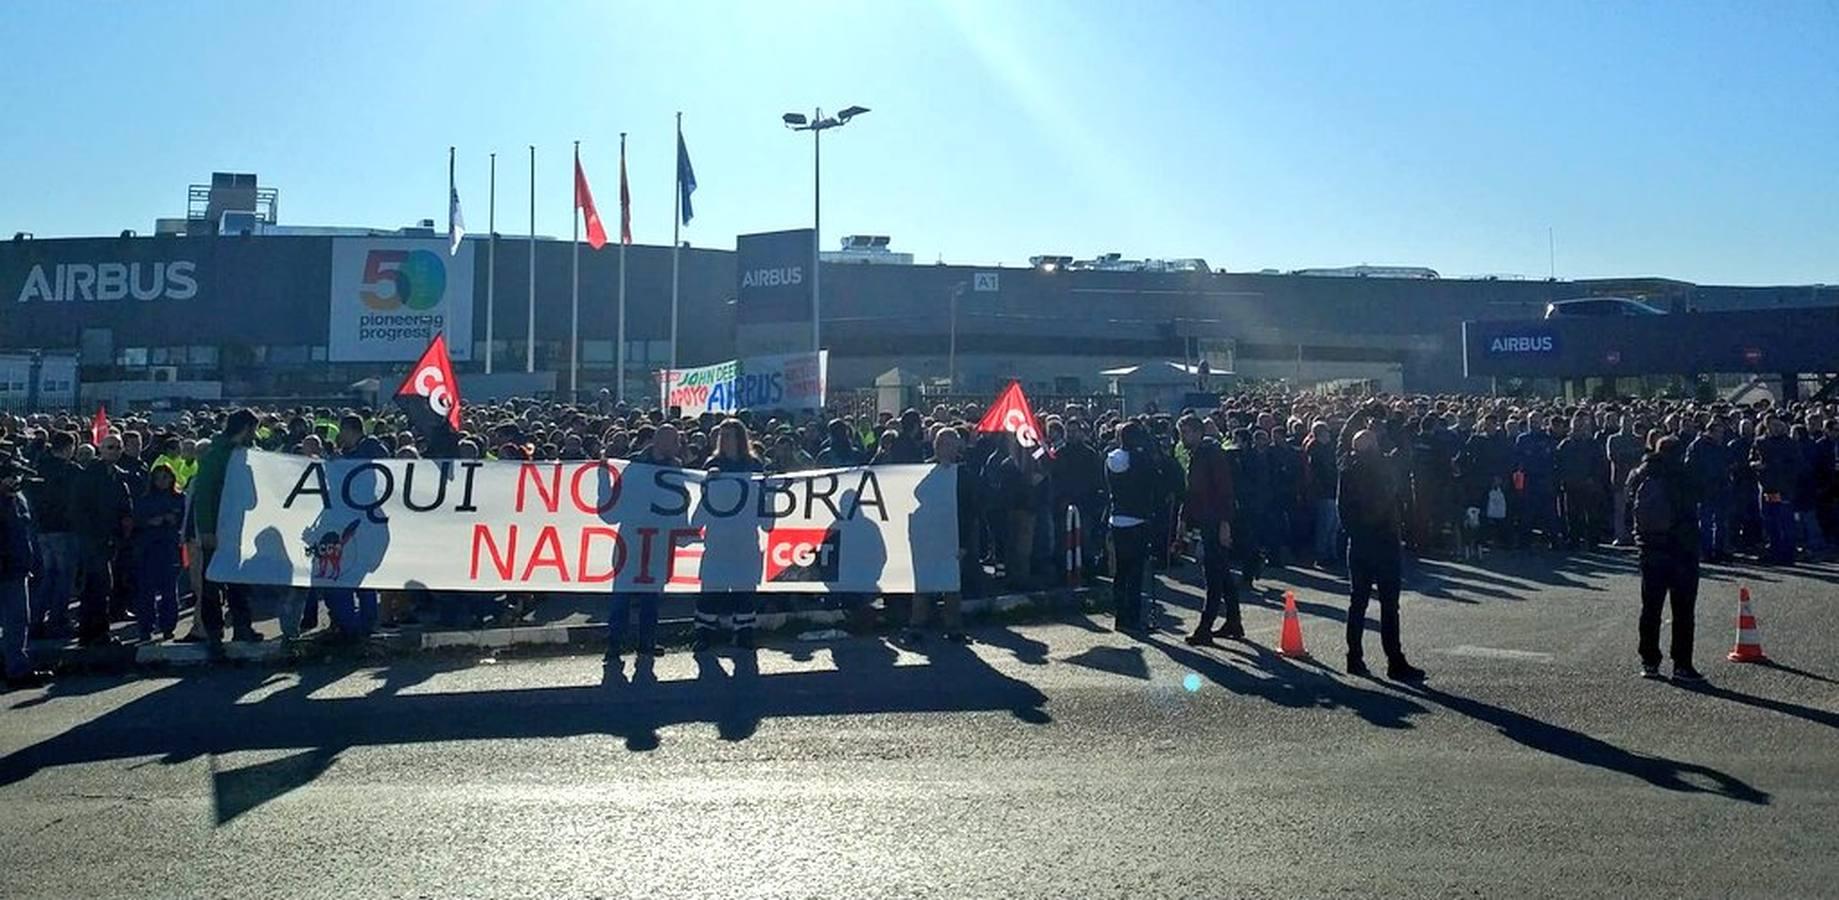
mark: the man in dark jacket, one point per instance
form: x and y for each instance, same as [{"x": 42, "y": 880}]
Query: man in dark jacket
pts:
[
  {"x": 101, "y": 513},
  {"x": 1323, "y": 473},
  {"x": 1132, "y": 478},
  {"x": 1368, "y": 499},
  {"x": 1532, "y": 458},
  {"x": 1777, "y": 461},
  {"x": 1251, "y": 481},
  {"x": 1745, "y": 500},
  {"x": 1623, "y": 450},
  {"x": 1578, "y": 461},
  {"x": 1666, "y": 531},
  {"x": 1077, "y": 475},
  {"x": 57, "y": 542},
  {"x": 1708, "y": 462},
  {"x": 18, "y": 560},
  {"x": 1486, "y": 464},
  {"x": 840, "y": 450},
  {"x": 1208, "y": 508}
]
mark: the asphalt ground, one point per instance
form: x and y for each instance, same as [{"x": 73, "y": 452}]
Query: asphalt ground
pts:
[{"x": 1048, "y": 760}]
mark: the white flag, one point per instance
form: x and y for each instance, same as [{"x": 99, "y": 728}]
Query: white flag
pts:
[{"x": 456, "y": 223}]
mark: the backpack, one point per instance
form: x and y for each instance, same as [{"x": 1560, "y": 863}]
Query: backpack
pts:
[
  {"x": 1653, "y": 504},
  {"x": 1497, "y": 504}
]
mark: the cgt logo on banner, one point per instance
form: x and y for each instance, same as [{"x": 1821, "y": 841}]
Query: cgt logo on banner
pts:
[
  {"x": 802, "y": 555},
  {"x": 391, "y": 297},
  {"x": 594, "y": 526}
]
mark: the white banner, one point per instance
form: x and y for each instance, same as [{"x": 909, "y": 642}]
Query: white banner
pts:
[
  {"x": 390, "y": 296},
  {"x": 584, "y": 526},
  {"x": 788, "y": 381}
]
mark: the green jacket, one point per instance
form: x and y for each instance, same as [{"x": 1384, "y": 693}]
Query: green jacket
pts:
[{"x": 207, "y": 486}]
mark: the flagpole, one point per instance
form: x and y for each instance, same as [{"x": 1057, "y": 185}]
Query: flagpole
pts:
[
  {"x": 619, "y": 352},
  {"x": 574, "y": 291},
  {"x": 676, "y": 243},
  {"x": 491, "y": 261},
  {"x": 530, "y": 330}
]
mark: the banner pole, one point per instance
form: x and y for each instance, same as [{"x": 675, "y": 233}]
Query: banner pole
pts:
[
  {"x": 676, "y": 241},
  {"x": 491, "y": 261},
  {"x": 574, "y": 290},
  {"x": 619, "y": 351},
  {"x": 530, "y": 328}
]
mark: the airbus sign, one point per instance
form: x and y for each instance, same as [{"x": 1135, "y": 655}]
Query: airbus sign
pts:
[
  {"x": 66, "y": 282},
  {"x": 773, "y": 277},
  {"x": 1529, "y": 343}
]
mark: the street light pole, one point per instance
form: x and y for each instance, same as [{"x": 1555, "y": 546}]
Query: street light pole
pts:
[{"x": 816, "y": 125}]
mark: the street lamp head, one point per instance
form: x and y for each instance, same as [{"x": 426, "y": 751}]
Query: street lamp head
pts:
[
  {"x": 851, "y": 113},
  {"x": 793, "y": 120}
]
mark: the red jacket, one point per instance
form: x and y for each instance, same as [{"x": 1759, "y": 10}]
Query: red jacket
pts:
[{"x": 1210, "y": 499}]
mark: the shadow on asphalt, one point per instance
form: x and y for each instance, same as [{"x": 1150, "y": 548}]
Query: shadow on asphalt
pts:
[
  {"x": 201, "y": 716},
  {"x": 1292, "y": 684},
  {"x": 1808, "y": 713},
  {"x": 1659, "y": 771}
]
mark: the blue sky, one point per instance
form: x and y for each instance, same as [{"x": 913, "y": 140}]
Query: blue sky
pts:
[{"x": 1697, "y": 140}]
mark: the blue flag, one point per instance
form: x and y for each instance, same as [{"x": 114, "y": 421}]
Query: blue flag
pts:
[{"x": 686, "y": 179}]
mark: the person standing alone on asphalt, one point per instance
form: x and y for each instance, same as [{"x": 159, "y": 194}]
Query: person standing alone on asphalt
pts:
[
  {"x": 1667, "y": 534},
  {"x": 1209, "y": 509},
  {"x": 1368, "y": 500},
  {"x": 1132, "y": 475}
]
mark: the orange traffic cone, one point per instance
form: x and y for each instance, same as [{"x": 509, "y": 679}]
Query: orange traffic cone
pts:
[
  {"x": 1290, "y": 641},
  {"x": 1749, "y": 637}
]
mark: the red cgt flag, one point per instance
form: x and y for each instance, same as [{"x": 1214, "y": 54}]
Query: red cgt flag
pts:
[
  {"x": 584, "y": 201},
  {"x": 1011, "y": 413},
  {"x": 430, "y": 396},
  {"x": 99, "y": 426}
]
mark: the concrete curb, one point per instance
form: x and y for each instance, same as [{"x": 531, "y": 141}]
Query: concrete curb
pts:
[{"x": 410, "y": 641}]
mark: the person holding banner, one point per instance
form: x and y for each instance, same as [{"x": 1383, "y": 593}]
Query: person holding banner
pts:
[
  {"x": 207, "y": 490},
  {"x": 662, "y": 450},
  {"x": 948, "y": 450},
  {"x": 733, "y": 455}
]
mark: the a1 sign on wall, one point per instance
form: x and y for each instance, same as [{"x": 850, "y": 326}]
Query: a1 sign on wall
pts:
[{"x": 985, "y": 282}]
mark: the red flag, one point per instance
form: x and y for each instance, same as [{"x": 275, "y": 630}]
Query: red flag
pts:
[
  {"x": 584, "y": 201},
  {"x": 99, "y": 426},
  {"x": 625, "y": 199},
  {"x": 1011, "y": 413},
  {"x": 430, "y": 395}
]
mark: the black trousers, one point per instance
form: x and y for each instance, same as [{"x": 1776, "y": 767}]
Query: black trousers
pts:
[
  {"x": 1216, "y": 568},
  {"x": 1582, "y": 508},
  {"x": 1373, "y": 570},
  {"x": 217, "y": 595},
  {"x": 1668, "y": 576},
  {"x": 95, "y": 585},
  {"x": 1129, "y": 556}
]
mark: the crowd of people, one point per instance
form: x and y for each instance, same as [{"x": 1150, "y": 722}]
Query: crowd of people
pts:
[{"x": 123, "y": 523}]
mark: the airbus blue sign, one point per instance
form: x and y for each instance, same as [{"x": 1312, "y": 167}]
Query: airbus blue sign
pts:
[{"x": 1518, "y": 344}]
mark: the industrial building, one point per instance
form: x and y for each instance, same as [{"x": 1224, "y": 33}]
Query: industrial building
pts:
[{"x": 227, "y": 302}]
